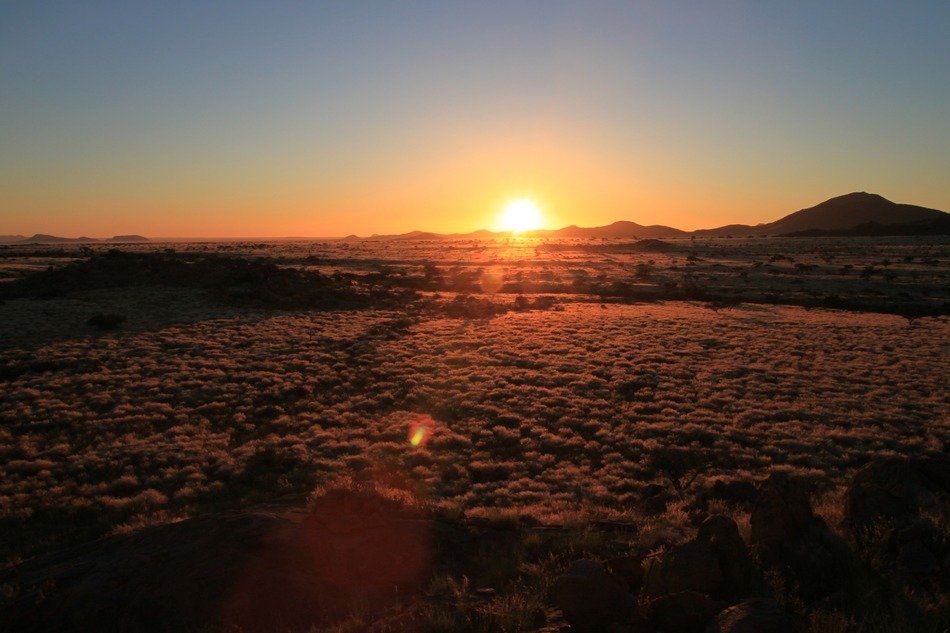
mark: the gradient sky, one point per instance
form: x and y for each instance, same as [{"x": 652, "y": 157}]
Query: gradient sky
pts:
[{"x": 321, "y": 119}]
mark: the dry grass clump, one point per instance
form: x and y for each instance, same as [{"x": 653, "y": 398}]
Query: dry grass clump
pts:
[{"x": 549, "y": 411}]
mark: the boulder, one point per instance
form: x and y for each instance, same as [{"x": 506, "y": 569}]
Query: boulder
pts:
[
  {"x": 782, "y": 513},
  {"x": 691, "y": 566},
  {"x": 915, "y": 559},
  {"x": 723, "y": 534},
  {"x": 683, "y": 612},
  {"x": 629, "y": 569},
  {"x": 796, "y": 543},
  {"x": 755, "y": 616},
  {"x": 918, "y": 548},
  {"x": 740, "y": 577},
  {"x": 895, "y": 490},
  {"x": 591, "y": 599},
  {"x": 716, "y": 563}
]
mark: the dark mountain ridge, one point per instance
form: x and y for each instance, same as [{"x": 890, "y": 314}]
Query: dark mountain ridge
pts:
[
  {"x": 858, "y": 213},
  {"x": 839, "y": 214},
  {"x": 42, "y": 238}
]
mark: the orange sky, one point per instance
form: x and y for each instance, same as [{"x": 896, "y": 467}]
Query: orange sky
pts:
[
  {"x": 325, "y": 120},
  {"x": 459, "y": 183}
]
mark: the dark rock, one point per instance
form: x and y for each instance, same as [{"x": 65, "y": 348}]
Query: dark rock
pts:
[
  {"x": 723, "y": 533},
  {"x": 896, "y": 489},
  {"x": 590, "y": 598},
  {"x": 716, "y": 563},
  {"x": 629, "y": 569},
  {"x": 692, "y": 566},
  {"x": 782, "y": 512},
  {"x": 755, "y": 616},
  {"x": 793, "y": 541},
  {"x": 921, "y": 532},
  {"x": 740, "y": 577},
  {"x": 915, "y": 559},
  {"x": 683, "y": 612}
]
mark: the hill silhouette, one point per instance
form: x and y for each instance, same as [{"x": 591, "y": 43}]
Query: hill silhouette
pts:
[
  {"x": 853, "y": 214},
  {"x": 622, "y": 229},
  {"x": 874, "y": 214},
  {"x": 838, "y": 214},
  {"x": 43, "y": 238}
]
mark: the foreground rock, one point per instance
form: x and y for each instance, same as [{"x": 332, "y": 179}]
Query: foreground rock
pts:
[
  {"x": 591, "y": 599},
  {"x": 755, "y": 616},
  {"x": 684, "y": 612},
  {"x": 896, "y": 508},
  {"x": 895, "y": 490},
  {"x": 782, "y": 513},
  {"x": 792, "y": 540},
  {"x": 716, "y": 563}
]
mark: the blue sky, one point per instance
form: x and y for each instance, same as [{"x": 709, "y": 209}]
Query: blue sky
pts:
[{"x": 276, "y": 118}]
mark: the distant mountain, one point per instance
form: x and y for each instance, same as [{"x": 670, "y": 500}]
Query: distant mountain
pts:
[
  {"x": 936, "y": 226},
  {"x": 428, "y": 235},
  {"x": 42, "y": 238},
  {"x": 622, "y": 229},
  {"x": 837, "y": 214},
  {"x": 857, "y": 213},
  {"x": 412, "y": 235},
  {"x": 731, "y": 230},
  {"x": 127, "y": 238}
]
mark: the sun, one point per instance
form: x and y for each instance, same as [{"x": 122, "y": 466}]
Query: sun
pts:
[{"x": 521, "y": 215}]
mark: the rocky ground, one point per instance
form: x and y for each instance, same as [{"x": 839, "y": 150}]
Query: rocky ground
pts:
[{"x": 369, "y": 558}]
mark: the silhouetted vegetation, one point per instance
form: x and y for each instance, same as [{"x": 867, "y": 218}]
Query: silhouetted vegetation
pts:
[
  {"x": 234, "y": 280},
  {"x": 106, "y": 321}
]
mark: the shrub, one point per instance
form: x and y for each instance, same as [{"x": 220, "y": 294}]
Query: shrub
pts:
[{"x": 105, "y": 321}]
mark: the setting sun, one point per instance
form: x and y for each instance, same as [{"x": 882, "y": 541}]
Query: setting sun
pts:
[{"x": 521, "y": 215}]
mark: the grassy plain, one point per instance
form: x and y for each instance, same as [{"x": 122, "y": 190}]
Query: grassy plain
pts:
[{"x": 563, "y": 382}]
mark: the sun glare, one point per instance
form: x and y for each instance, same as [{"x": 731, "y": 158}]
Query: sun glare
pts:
[{"x": 521, "y": 215}]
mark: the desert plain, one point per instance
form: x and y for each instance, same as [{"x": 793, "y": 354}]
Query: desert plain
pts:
[{"x": 598, "y": 399}]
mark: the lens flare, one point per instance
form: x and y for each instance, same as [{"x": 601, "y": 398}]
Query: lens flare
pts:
[
  {"x": 491, "y": 281},
  {"x": 420, "y": 430}
]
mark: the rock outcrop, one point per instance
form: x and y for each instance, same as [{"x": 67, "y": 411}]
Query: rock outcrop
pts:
[
  {"x": 755, "y": 616},
  {"x": 716, "y": 563},
  {"x": 895, "y": 490},
  {"x": 590, "y": 598},
  {"x": 683, "y": 612},
  {"x": 791, "y": 539}
]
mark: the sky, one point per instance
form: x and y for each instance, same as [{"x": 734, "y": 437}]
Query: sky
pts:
[{"x": 277, "y": 119}]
